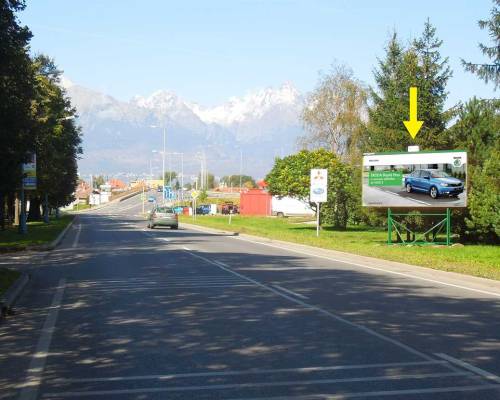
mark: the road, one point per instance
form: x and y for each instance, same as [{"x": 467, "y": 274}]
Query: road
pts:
[{"x": 121, "y": 312}]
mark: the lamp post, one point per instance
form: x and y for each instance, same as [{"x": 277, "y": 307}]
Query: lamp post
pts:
[{"x": 163, "y": 154}]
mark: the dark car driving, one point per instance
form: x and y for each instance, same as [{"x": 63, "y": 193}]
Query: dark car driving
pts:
[{"x": 434, "y": 182}]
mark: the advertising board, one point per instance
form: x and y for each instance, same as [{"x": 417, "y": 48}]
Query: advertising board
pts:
[
  {"x": 29, "y": 173},
  {"x": 319, "y": 186},
  {"x": 417, "y": 179}
]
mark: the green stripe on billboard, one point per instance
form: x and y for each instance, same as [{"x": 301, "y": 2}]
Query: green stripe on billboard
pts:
[{"x": 385, "y": 178}]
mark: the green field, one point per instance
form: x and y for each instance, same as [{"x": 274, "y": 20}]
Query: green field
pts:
[
  {"x": 477, "y": 260},
  {"x": 38, "y": 233},
  {"x": 7, "y": 278}
]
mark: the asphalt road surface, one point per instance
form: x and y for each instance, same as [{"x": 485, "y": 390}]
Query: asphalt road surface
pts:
[{"x": 122, "y": 312}]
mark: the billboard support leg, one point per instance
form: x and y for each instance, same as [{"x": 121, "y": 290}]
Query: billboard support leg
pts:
[
  {"x": 448, "y": 226},
  {"x": 389, "y": 226}
]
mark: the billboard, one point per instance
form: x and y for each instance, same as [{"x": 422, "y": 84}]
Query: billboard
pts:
[
  {"x": 411, "y": 180},
  {"x": 319, "y": 186},
  {"x": 29, "y": 173}
]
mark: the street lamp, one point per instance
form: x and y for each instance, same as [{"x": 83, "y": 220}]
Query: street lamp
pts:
[{"x": 163, "y": 158}]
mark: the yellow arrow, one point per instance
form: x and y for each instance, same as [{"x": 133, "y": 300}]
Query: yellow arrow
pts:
[{"x": 413, "y": 125}]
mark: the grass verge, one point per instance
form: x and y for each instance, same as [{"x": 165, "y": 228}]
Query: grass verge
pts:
[
  {"x": 476, "y": 260},
  {"x": 7, "y": 278},
  {"x": 38, "y": 233}
]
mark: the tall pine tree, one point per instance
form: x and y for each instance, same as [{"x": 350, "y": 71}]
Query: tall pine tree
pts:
[{"x": 420, "y": 65}]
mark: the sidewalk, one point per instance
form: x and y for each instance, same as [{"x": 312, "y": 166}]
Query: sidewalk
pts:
[{"x": 470, "y": 284}]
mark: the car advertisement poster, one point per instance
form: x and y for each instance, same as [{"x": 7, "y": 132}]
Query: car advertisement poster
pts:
[
  {"x": 412, "y": 180},
  {"x": 319, "y": 186}
]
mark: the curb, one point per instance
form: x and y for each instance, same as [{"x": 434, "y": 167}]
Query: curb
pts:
[
  {"x": 52, "y": 245},
  {"x": 211, "y": 230},
  {"x": 9, "y": 298}
]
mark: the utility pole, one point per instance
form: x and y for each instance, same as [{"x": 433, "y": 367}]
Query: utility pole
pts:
[
  {"x": 241, "y": 165},
  {"x": 163, "y": 161}
]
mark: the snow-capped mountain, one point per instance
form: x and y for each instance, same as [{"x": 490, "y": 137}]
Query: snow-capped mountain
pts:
[{"x": 118, "y": 135}]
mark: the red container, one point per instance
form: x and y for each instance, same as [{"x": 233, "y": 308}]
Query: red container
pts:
[
  {"x": 255, "y": 202},
  {"x": 185, "y": 210}
]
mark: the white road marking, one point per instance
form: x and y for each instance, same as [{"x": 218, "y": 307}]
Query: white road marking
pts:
[
  {"x": 320, "y": 310},
  {"x": 253, "y": 384},
  {"x": 380, "y": 393},
  {"x": 29, "y": 389},
  {"x": 469, "y": 367},
  {"x": 368, "y": 267},
  {"x": 290, "y": 292},
  {"x": 77, "y": 236},
  {"x": 186, "y": 248},
  {"x": 249, "y": 372}
]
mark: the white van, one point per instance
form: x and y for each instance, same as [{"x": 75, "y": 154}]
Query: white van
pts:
[{"x": 290, "y": 207}]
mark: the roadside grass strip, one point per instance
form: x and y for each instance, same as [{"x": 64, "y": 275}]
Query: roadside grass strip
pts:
[{"x": 38, "y": 233}]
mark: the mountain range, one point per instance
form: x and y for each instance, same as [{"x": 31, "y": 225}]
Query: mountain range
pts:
[{"x": 119, "y": 136}]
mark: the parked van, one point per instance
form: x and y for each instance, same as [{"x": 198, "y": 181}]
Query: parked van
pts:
[{"x": 290, "y": 207}]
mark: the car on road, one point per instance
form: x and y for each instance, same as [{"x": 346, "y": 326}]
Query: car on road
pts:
[
  {"x": 163, "y": 216},
  {"x": 151, "y": 199},
  {"x": 203, "y": 209},
  {"x": 434, "y": 182}
]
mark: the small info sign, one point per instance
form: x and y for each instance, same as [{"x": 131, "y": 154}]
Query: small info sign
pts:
[{"x": 319, "y": 186}]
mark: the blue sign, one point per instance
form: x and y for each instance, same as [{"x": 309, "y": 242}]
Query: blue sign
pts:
[{"x": 168, "y": 193}]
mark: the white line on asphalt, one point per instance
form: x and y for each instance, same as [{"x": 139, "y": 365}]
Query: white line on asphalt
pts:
[
  {"x": 368, "y": 267},
  {"x": 253, "y": 384},
  {"x": 320, "y": 310},
  {"x": 77, "y": 236},
  {"x": 135, "y": 289},
  {"x": 467, "y": 366},
  {"x": 291, "y": 292},
  {"x": 29, "y": 389},
  {"x": 381, "y": 393},
  {"x": 250, "y": 372},
  {"x": 186, "y": 248}
]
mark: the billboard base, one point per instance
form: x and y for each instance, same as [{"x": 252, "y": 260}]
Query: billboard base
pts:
[{"x": 429, "y": 237}]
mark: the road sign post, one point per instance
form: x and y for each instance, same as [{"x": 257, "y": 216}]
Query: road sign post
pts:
[
  {"x": 318, "y": 192},
  {"x": 194, "y": 196}
]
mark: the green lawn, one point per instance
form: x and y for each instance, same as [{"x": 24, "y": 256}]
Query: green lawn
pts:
[
  {"x": 7, "y": 278},
  {"x": 38, "y": 233},
  {"x": 478, "y": 260},
  {"x": 80, "y": 207}
]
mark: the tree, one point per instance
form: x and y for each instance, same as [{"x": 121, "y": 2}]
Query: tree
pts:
[
  {"x": 478, "y": 131},
  {"x": 57, "y": 140},
  {"x": 98, "y": 181},
  {"x": 290, "y": 176},
  {"x": 234, "y": 181},
  {"x": 334, "y": 113},
  {"x": 489, "y": 71},
  {"x": 170, "y": 176},
  {"x": 422, "y": 66},
  {"x": 16, "y": 94}
]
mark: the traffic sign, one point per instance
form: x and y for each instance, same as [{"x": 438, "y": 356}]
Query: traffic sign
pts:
[{"x": 194, "y": 194}]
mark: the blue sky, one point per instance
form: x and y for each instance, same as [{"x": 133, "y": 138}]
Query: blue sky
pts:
[{"x": 208, "y": 51}]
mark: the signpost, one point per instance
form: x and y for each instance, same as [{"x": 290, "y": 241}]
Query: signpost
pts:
[
  {"x": 319, "y": 191},
  {"x": 194, "y": 196},
  {"x": 28, "y": 183}
]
